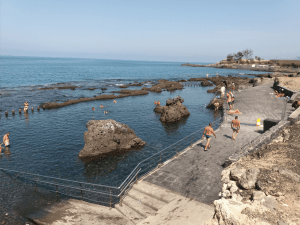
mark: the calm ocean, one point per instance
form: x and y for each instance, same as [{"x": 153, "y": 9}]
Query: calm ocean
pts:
[{"x": 48, "y": 142}]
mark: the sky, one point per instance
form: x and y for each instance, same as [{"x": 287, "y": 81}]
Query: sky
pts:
[{"x": 163, "y": 30}]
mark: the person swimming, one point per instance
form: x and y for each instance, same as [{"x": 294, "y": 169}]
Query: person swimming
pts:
[
  {"x": 6, "y": 139},
  {"x": 155, "y": 102},
  {"x": 102, "y": 106},
  {"x": 93, "y": 108},
  {"x": 158, "y": 103},
  {"x": 26, "y": 106},
  {"x": 114, "y": 101}
]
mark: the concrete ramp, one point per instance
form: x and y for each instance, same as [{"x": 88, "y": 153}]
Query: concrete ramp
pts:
[
  {"x": 181, "y": 211},
  {"x": 75, "y": 212},
  {"x": 144, "y": 204}
]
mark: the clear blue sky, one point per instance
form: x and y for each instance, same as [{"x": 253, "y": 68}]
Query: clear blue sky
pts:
[{"x": 163, "y": 30}]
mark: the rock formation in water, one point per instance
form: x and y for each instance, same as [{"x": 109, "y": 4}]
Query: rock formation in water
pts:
[
  {"x": 108, "y": 137},
  {"x": 164, "y": 84},
  {"x": 173, "y": 110},
  {"x": 212, "y": 102}
]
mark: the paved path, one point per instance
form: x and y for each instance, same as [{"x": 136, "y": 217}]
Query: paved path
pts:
[{"x": 196, "y": 173}]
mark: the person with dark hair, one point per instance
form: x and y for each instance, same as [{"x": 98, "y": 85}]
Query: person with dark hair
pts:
[
  {"x": 208, "y": 131},
  {"x": 235, "y": 126},
  {"x": 6, "y": 139}
]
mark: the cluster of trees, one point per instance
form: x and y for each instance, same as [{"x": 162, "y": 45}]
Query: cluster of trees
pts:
[{"x": 247, "y": 53}]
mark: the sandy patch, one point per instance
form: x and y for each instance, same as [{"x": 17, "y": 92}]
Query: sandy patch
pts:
[{"x": 292, "y": 83}]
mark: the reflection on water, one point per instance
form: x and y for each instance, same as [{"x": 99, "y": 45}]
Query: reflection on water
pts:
[
  {"x": 26, "y": 118},
  {"x": 102, "y": 167},
  {"x": 171, "y": 128}
]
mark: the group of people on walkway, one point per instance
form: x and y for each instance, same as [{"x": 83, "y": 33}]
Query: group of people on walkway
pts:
[{"x": 209, "y": 131}]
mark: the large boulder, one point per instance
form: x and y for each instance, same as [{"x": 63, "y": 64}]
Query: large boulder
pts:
[
  {"x": 174, "y": 110},
  {"x": 214, "y": 100},
  {"x": 249, "y": 178},
  {"x": 108, "y": 137}
]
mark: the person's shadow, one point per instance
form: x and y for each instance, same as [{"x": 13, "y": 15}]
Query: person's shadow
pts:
[
  {"x": 201, "y": 145},
  {"x": 225, "y": 135}
]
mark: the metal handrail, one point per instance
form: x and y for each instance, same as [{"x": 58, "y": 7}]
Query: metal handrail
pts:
[{"x": 99, "y": 185}]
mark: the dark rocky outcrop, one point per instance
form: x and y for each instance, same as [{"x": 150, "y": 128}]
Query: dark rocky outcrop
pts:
[
  {"x": 108, "y": 137},
  {"x": 206, "y": 83},
  {"x": 52, "y": 105},
  {"x": 164, "y": 84},
  {"x": 135, "y": 84},
  {"x": 132, "y": 92},
  {"x": 212, "y": 102},
  {"x": 173, "y": 110},
  {"x": 63, "y": 87},
  {"x": 158, "y": 109},
  {"x": 123, "y": 86}
]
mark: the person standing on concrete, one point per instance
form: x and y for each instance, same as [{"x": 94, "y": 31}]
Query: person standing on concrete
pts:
[
  {"x": 232, "y": 102},
  {"x": 235, "y": 126},
  {"x": 206, "y": 75},
  {"x": 229, "y": 100},
  {"x": 222, "y": 91},
  {"x": 217, "y": 74},
  {"x": 208, "y": 131}
]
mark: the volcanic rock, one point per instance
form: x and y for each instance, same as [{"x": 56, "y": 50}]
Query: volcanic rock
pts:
[
  {"x": 108, "y": 137},
  {"x": 174, "y": 110},
  {"x": 206, "y": 83},
  {"x": 132, "y": 92},
  {"x": 164, "y": 84},
  {"x": 212, "y": 102},
  {"x": 158, "y": 109}
]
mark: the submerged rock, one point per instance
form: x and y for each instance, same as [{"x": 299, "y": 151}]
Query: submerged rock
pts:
[
  {"x": 173, "y": 110},
  {"x": 108, "y": 137}
]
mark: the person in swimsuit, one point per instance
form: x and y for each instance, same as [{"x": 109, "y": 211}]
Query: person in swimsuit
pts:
[
  {"x": 93, "y": 108},
  {"x": 208, "y": 131},
  {"x": 216, "y": 106},
  {"x": 26, "y": 106},
  {"x": 158, "y": 103},
  {"x": 114, "y": 101},
  {"x": 232, "y": 102},
  {"x": 1, "y": 147},
  {"x": 233, "y": 87},
  {"x": 6, "y": 139},
  {"x": 229, "y": 100},
  {"x": 235, "y": 126}
]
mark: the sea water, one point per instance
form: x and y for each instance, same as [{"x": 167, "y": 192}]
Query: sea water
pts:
[{"x": 47, "y": 142}]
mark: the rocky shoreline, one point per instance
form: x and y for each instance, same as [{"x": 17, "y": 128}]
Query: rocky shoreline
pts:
[
  {"x": 263, "y": 187},
  {"x": 165, "y": 85},
  {"x": 267, "y": 68}
]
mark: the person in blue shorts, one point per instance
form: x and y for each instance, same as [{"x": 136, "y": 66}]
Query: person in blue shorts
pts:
[{"x": 208, "y": 131}]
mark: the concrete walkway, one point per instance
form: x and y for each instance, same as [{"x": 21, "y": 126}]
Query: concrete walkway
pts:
[{"x": 196, "y": 173}]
